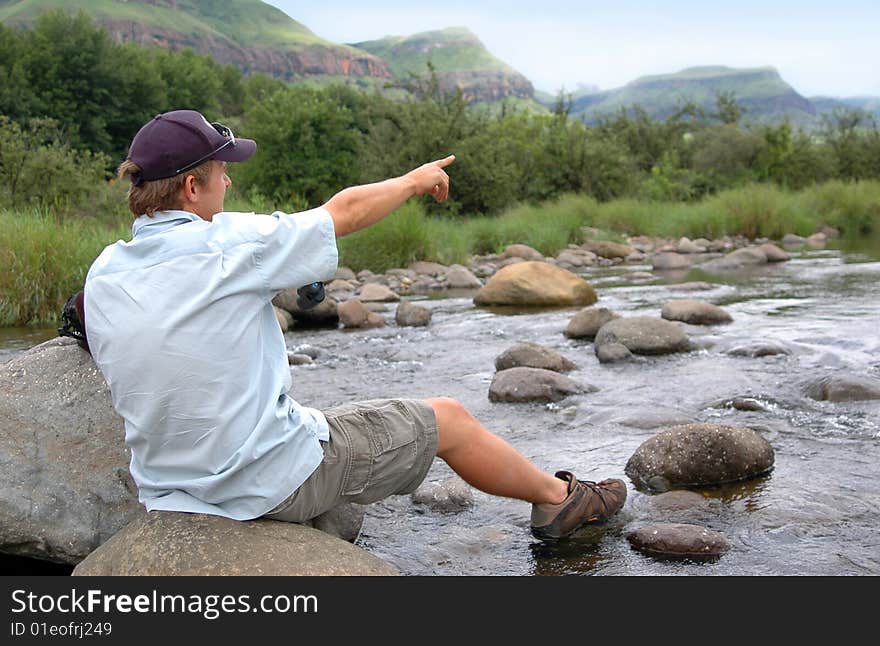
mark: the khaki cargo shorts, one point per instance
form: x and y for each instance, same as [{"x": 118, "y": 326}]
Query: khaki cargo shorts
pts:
[{"x": 377, "y": 448}]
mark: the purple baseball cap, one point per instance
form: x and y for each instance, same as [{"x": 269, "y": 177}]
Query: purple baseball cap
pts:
[{"x": 174, "y": 142}]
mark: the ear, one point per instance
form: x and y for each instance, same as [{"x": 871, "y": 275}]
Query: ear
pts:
[{"x": 190, "y": 189}]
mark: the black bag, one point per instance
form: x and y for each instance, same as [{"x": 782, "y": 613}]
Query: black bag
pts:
[{"x": 73, "y": 320}]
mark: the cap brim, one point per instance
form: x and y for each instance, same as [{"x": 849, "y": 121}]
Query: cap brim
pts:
[{"x": 242, "y": 150}]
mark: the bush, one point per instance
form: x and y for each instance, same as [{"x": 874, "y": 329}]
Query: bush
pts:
[{"x": 39, "y": 170}]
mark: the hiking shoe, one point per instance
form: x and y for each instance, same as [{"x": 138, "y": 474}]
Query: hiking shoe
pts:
[{"x": 587, "y": 502}]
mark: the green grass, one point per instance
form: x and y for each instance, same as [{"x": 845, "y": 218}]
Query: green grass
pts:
[{"x": 46, "y": 258}]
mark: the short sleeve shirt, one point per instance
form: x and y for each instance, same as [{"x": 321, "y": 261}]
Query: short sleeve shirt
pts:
[{"x": 180, "y": 322}]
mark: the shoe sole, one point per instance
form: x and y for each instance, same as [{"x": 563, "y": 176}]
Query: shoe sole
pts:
[{"x": 541, "y": 534}]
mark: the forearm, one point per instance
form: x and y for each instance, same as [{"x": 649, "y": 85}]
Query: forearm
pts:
[{"x": 357, "y": 207}]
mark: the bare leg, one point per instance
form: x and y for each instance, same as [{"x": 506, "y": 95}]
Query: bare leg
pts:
[{"x": 486, "y": 461}]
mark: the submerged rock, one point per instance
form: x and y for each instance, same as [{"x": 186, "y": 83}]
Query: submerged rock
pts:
[
  {"x": 694, "y": 455},
  {"x": 412, "y": 315},
  {"x": 178, "y": 544},
  {"x": 449, "y": 496},
  {"x": 533, "y": 384},
  {"x": 532, "y": 355},
  {"x": 679, "y": 541},
  {"x": 843, "y": 388},
  {"x": 759, "y": 349},
  {"x": 644, "y": 335},
  {"x": 535, "y": 284},
  {"x": 695, "y": 312}
]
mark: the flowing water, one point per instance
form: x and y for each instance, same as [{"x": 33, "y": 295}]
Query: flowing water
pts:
[{"x": 816, "y": 513}]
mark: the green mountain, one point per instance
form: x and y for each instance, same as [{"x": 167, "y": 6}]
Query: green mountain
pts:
[
  {"x": 459, "y": 60},
  {"x": 761, "y": 92},
  {"x": 250, "y": 34}
]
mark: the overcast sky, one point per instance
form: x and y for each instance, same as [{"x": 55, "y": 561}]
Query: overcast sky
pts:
[{"x": 829, "y": 48}]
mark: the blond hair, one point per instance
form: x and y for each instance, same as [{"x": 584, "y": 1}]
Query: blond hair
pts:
[{"x": 160, "y": 194}]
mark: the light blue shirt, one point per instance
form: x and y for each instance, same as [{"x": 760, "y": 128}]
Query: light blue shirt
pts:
[{"x": 180, "y": 323}]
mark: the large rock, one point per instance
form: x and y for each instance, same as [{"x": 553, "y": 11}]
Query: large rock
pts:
[
  {"x": 535, "y": 284},
  {"x": 644, "y": 335},
  {"x": 177, "y": 544},
  {"x": 678, "y": 541},
  {"x": 532, "y": 355},
  {"x": 694, "y": 455},
  {"x": 695, "y": 312},
  {"x": 843, "y": 388},
  {"x": 586, "y": 323},
  {"x": 533, "y": 384},
  {"x": 64, "y": 483}
]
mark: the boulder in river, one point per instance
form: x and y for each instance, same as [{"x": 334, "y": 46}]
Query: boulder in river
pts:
[
  {"x": 533, "y": 384},
  {"x": 178, "y": 544},
  {"x": 702, "y": 454},
  {"x": 353, "y": 314},
  {"x": 644, "y": 335},
  {"x": 607, "y": 249},
  {"x": 532, "y": 355},
  {"x": 738, "y": 259},
  {"x": 522, "y": 251},
  {"x": 412, "y": 315},
  {"x": 460, "y": 277},
  {"x": 374, "y": 293},
  {"x": 586, "y": 323},
  {"x": 679, "y": 541},
  {"x": 535, "y": 284},
  {"x": 670, "y": 260},
  {"x": 695, "y": 312},
  {"x": 324, "y": 314},
  {"x": 843, "y": 388}
]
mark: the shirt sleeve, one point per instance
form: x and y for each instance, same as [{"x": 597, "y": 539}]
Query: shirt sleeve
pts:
[{"x": 296, "y": 249}]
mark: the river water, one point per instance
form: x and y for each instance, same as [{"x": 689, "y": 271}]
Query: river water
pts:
[{"x": 816, "y": 513}]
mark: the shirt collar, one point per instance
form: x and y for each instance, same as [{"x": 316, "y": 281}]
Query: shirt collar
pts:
[{"x": 161, "y": 221}]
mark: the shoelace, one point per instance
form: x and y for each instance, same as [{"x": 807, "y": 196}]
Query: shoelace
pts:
[{"x": 595, "y": 487}]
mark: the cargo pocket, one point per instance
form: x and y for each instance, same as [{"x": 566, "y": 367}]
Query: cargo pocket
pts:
[
  {"x": 390, "y": 427},
  {"x": 359, "y": 467}
]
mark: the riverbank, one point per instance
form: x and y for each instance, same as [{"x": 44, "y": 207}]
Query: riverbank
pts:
[{"x": 47, "y": 258}]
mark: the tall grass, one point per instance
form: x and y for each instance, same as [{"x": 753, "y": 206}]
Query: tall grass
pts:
[{"x": 44, "y": 260}]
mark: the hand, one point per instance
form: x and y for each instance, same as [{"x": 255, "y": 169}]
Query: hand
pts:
[{"x": 431, "y": 179}]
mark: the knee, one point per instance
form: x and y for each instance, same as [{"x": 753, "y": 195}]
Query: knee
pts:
[
  {"x": 455, "y": 425},
  {"x": 448, "y": 411}
]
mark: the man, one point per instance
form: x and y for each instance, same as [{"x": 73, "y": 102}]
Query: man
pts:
[{"x": 180, "y": 322}]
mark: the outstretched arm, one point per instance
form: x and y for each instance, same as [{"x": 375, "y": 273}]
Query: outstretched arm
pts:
[{"x": 357, "y": 207}]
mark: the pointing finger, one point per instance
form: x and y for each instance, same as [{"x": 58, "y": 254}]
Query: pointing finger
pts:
[{"x": 442, "y": 163}]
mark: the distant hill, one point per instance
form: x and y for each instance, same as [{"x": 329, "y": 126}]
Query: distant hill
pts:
[
  {"x": 765, "y": 96},
  {"x": 249, "y": 34},
  {"x": 459, "y": 60},
  {"x": 870, "y": 104}
]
